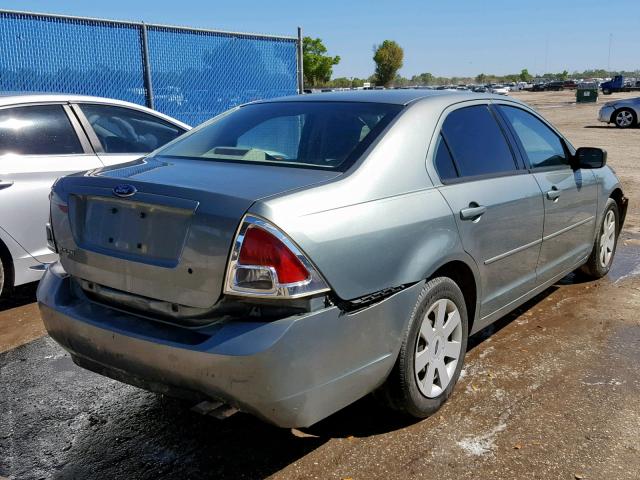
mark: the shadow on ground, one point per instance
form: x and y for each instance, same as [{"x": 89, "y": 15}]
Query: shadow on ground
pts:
[{"x": 22, "y": 295}]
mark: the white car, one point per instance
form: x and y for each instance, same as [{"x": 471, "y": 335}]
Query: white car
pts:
[
  {"x": 622, "y": 113},
  {"x": 500, "y": 89},
  {"x": 46, "y": 136}
]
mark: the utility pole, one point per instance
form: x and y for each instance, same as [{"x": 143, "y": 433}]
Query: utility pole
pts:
[
  {"x": 546, "y": 56},
  {"x": 300, "y": 63},
  {"x": 609, "y": 57}
]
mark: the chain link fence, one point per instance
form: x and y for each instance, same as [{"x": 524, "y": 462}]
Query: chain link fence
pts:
[{"x": 190, "y": 74}]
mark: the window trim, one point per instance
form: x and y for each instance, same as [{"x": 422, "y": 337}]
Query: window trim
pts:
[
  {"x": 519, "y": 169},
  {"x": 91, "y": 134},
  {"x": 435, "y": 162},
  {"x": 521, "y": 148},
  {"x": 486, "y": 176},
  {"x": 80, "y": 134}
]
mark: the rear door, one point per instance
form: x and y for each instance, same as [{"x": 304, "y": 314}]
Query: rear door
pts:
[
  {"x": 570, "y": 196},
  {"x": 120, "y": 134},
  {"x": 496, "y": 202},
  {"x": 38, "y": 144}
]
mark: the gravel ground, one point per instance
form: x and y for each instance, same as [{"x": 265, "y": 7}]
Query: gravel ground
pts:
[{"x": 550, "y": 391}]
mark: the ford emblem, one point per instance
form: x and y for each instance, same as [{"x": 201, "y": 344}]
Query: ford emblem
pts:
[{"x": 124, "y": 190}]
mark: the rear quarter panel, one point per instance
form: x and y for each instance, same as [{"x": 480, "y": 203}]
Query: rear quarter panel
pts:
[{"x": 367, "y": 247}]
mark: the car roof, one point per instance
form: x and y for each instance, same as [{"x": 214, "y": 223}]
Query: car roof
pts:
[
  {"x": 18, "y": 98},
  {"x": 396, "y": 97}
]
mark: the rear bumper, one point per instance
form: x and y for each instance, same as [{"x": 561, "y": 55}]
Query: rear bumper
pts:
[{"x": 291, "y": 372}]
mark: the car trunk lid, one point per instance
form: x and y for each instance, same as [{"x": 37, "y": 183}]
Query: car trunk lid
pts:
[{"x": 169, "y": 237}]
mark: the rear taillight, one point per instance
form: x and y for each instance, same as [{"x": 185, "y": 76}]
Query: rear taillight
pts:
[
  {"x": 51, "y": 240},
  {"x": 266, "y": 263}
]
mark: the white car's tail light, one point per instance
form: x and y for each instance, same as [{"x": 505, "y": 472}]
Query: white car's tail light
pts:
[{"x": 266, "y": 263}]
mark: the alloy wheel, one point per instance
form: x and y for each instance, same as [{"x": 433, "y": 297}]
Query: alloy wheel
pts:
[
  {"x": 438, "y": 347},
  {"x": 607, "y": 238},
  {"x": 624, "y": 118}
]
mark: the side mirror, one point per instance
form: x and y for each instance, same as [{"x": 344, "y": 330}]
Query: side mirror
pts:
[{"x": 590, "y": 157}]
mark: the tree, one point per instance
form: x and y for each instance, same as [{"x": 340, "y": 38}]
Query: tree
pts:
[
  {"x": 525, "y": 76},
  {"x": 481, "y": 78},
  {"x": 341, "y": 82},
  {"x": 317, "y": 67},
  {"x": 388, "y": 58},
  {"x": 564, "y": 75},
  {"x": 423, "y": 79},
  {"x": 400, "y": 81}
]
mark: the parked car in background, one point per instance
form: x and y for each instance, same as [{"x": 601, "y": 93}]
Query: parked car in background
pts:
[
  {"x": 539, "y": 87},
  {"x": 296, "y": 254},
  {"x": 46, "y": 136},
  {"x": 619, "y": 84},
  {"x": 622, "y": 113},
  {"x": 500, "y": 89},
  {"x": 555, "y": 86}
]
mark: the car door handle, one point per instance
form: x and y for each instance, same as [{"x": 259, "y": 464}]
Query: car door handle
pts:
[
  {"x": 553, "y": 194},
  {"x": 471, "y": 213},
  {"x": 5, "y": 184}
]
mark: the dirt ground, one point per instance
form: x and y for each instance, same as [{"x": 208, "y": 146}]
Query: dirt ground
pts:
[{"x": 551, "y": 391}]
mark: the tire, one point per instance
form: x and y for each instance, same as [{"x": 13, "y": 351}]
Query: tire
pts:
[
  {"x": 3, "y": 289},
  {"x": 604, "y": 248},
  {"x": 606, "y": 91},
  {"x": 412, "y": 393},
  {"x": 624, "y": 118}
]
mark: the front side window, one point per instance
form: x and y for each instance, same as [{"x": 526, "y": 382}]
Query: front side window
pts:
[
  {"x": 476, "y": 142},
  {"x": 541, "y": 145},
  {"x": 124, "y": 130},
  {"x": 37, "y": 130},
  {"x": 328, "y": 135}
]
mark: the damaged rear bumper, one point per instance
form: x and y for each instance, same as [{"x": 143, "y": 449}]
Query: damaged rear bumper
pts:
[{"x": 291, "y": 372}]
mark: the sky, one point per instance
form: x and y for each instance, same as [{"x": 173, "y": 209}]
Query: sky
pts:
[{"x": 455, "y": 38}]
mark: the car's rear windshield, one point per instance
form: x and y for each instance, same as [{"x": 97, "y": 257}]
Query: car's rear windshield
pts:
[{"x": 326, "y": 135}]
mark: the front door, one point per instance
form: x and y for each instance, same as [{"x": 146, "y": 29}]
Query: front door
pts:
[
  {"x": 570, "y": 196},
  {"x": 38, "y": 144}
]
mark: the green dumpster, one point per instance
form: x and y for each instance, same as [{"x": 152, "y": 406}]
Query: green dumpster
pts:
[{"x": 587, "y": 92}]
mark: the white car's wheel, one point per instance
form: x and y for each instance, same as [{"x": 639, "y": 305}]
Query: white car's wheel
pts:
[
  {"x": 2, "y": 290},
  {"x": 624, "y": 118}
]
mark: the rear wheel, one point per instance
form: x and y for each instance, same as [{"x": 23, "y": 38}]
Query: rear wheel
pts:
[
  {"x": 624, "y": 118},
  {"x": 2, "y": 281},
  {"x": 6, "y": 272},
  {"x": 432, "y": 352},
  {"x": 604, "y": 248}
]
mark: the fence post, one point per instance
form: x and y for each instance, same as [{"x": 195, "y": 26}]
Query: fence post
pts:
[
  {"x": 146, "y": 65},
  {"x": 300, "y": 64}
]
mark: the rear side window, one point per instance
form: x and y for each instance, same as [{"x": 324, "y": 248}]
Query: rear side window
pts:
[
  {"x": 124, "y": 130},
  {"x": 476, "y": 142},
  {"x": 37, "y": 130},
  {"x": 327, "y": 135},
  {"x": 541, "y": 145},
  {"x": 443, "y": 161}
]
